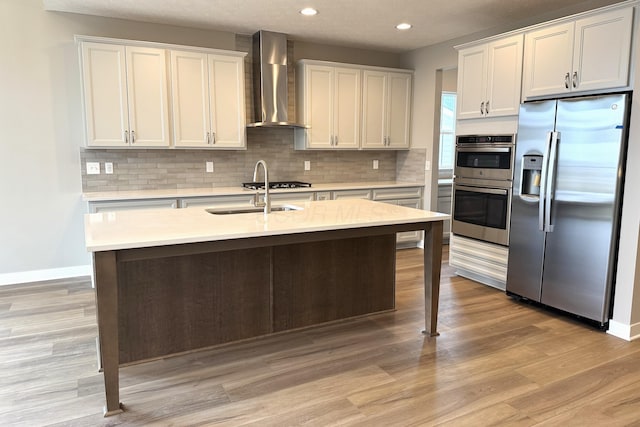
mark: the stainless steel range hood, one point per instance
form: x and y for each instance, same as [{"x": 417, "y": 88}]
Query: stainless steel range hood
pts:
[{"x": 270, "y": 92}]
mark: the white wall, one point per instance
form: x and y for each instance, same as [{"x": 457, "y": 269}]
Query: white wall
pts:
[{"x": 41, "y": 230}]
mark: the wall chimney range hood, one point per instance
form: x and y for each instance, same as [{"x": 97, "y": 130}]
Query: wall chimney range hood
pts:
[{"x": 270, "y": 92}]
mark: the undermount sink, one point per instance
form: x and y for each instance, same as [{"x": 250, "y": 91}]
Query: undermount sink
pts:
[{"x": 233, "y": 211}]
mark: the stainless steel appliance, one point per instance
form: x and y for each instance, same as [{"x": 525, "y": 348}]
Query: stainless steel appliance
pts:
[
  {"x": 485, "y": 157},
  {"x": 482, "y": 182},
  {"x": 276, "y": 185},
  {"x": 566, "y": 203}
]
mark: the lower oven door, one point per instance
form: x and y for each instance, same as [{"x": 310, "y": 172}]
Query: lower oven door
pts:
[{"x": 482, "y": 212}]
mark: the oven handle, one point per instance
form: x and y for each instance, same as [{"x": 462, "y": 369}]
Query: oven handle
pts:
[
  {"x": 482, "y": 190},
  {"x": 483, "y": 149}
]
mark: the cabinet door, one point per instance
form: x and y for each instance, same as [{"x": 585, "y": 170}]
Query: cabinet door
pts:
[
  {"x": 147, "y": 95},
  {"x": 318, "y": 109},
  {"x": 104, "y": 78},
  {"x": 472, "y": 76},
  {"x": 190, "y": 99},
  {"x": 602, "y": 50},
  {"x": 346, "y": 108},
  {"x": 374, "y": 109},
  {"x": 504, "y": 77},
  {"x": 547, "y": 60},
  {"x": 399, "y": 110},
  {"x": 226, "y": 91}
]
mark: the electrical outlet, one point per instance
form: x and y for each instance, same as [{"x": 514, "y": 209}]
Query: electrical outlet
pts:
[
  {"x": 307, "y": 165},
  {"x": 93, "y": 168},
  {"x": 108, "y": 168},
  {"x": 209, "y": 167},
  {"x": 376, "y": 164},
  {"x": 427, "y": 165}
]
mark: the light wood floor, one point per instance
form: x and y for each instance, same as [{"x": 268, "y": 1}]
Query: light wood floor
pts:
[{"x": 497, "y": 362}]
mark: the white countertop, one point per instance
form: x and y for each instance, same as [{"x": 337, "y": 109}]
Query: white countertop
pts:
[
  {"x": 160, "y": 227},
  {"x": 101, "y": 196}
]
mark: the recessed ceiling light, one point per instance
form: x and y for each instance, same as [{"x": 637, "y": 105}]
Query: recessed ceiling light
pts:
[
  {"x": 403, "y": 26},
  {"x": 309, "y": 11}
]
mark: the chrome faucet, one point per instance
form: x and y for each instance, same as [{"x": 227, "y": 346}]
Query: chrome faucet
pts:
[{"x": 256, "y": 199}]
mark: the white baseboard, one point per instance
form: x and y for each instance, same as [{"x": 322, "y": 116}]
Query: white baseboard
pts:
[
  {"x": 40, "y": 275},
  {"x": 626, "y": 332}
]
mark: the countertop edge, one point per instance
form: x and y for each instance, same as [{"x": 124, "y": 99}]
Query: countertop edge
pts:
[{"x": 106, "y": 196}]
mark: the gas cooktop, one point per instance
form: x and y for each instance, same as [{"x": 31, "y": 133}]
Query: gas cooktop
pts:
[{"x": 275, "y": 185}]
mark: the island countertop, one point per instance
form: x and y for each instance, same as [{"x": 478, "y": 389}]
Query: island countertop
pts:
[{"x": 158, "y": 227}]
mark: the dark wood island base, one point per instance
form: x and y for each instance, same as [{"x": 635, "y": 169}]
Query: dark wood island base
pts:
[{"x": 157, "y": 301}]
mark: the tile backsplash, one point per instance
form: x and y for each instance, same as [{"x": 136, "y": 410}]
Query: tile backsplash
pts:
[{"x": 147, "y": 169}]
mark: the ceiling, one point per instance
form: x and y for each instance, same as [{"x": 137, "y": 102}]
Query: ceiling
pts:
[{"x": 355, "y": 23}]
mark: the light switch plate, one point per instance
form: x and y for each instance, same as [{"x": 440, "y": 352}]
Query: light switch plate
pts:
[
  {"x": 376, "y": 164},
  {"x": 209, "y": 167},
  {"x": 307, "y": 165},
  {"x": 108, "y": 168},
  {"x": 93, "y": 168}
]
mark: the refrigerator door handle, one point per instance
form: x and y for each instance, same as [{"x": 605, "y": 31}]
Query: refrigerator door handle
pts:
[
  {"x": 543, "y": 182},
  {"x": 551, "y": 175}
]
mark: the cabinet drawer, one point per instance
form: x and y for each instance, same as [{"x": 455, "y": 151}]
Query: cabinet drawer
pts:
[
  {"x": 352, "y": 194},
  {"x": 242, "y": 200},
  {"x": 127, "y": 205},
  {"x": 323, "y": 195},
  {"x": 280, "y": 198},
  {"x": 397, "y": 193}
]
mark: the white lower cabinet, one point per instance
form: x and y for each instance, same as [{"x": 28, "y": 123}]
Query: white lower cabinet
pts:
[{"x": 410, "y": 197}]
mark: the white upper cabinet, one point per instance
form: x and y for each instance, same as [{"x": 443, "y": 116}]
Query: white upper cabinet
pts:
[
  {"x": 386, "y": 110},
  {"x": 588, "y": 54},
  {"x": 208, "y": 107},
  {"x": 329, "y": 104},
  {"x": 125, "y": 96},
  {"x": 489, "y": 79}
]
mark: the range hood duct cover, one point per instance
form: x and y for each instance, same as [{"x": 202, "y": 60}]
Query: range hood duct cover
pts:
[{"x": 270, "y": 92}]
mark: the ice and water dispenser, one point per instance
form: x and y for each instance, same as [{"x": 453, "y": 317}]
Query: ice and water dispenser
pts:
[{"x": 531, "y": 174}]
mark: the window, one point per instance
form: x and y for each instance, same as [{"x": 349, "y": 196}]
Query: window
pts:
[{"x": 447, "y": 134}]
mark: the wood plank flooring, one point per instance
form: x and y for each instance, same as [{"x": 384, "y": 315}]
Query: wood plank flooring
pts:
[{"x": 496, "y": 362}]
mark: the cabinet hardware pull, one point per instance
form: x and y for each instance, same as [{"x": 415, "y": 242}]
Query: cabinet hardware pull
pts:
[
  {"x": 482, "y": 108},
  {"x": 486, "y": 108},
  {"x": 566, "y": 81},
  {"x": 213, "y": 138},
  {"x": 133, "y": 136},
  {"x": 331, "y": 142},
  {"x": 336, "y": 139},
  {"x": 575, "y": 79},
  {"x": 126, "y": 136},
  {"x": 208, "y": 138},
  {"x": 388, "y": 140}
]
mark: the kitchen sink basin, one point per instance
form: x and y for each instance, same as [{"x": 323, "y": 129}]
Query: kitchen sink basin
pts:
[{"x": 233, "y": 211}]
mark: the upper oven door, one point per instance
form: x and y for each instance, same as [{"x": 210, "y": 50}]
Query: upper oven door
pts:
[{"x": 485, "y": 161}]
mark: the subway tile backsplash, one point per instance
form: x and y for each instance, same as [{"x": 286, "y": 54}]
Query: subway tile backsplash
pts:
[{"x": 147, "y": 169}]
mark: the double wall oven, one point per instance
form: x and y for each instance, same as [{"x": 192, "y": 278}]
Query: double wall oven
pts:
[{"x": 482, "y": 186}]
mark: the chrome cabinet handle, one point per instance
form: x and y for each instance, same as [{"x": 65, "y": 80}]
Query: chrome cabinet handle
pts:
[
  {"x": 133, "y": 136},
  {"x": 486, "y": 108},
  {"x": 213, "y": 138},
  {"x": 575, "y": 79},
  {"x": 566, "y": 81},
  {"x": 336, "y": 140},
  {"x": 388, "y": 140},
  {"x": 126, "y": 136},
  {"x": 333, "y": 142},
  {"x": 482, "y": 108},
  {"x": 208, "y": 138}
]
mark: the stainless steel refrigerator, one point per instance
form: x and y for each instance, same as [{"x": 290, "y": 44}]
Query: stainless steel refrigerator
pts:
[{"x": 565, "y": 211}]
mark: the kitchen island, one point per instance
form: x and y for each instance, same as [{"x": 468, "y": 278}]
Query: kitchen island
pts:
[{"x": 174, "y": 281}]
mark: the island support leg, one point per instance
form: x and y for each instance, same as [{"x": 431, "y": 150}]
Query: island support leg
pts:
[
  {"x": 432, "y": 267},
  {"x": 106, "y": 279}
]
